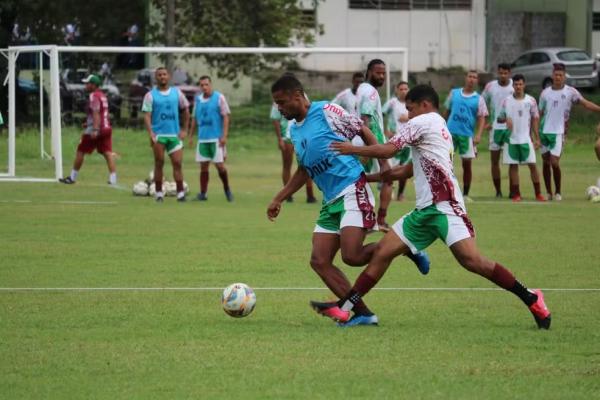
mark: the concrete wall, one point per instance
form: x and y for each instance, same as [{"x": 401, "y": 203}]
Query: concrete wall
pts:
[
  {"x": 434, "y": 38},
  {"x": 596, "y": 34},
  {"x": 512, "y": 33}
]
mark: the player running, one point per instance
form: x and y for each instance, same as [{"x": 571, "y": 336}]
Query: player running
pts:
[
  {"x": 494, "y": 93},
  {"x": 347, "y": 213},
  {"x": 555, "y": 108},
  {"x": 440, "y": 211},
  {"x": 465, "y": 108},
  {"x": 522, "y": 120}
]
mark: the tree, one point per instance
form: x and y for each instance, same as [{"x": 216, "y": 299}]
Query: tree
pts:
[{"x": 236, "y": 23}]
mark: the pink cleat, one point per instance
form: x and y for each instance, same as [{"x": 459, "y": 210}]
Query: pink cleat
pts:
[
  {"x": 331, "y": 310},
  {"x": 540, "y": 311}
]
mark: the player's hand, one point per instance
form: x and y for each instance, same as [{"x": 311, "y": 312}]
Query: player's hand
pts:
[
  {"x": 273, "y": 210},
  {"x": 222, "y": 142},
  {"x": 281, "y": 144},
  {"x": 536, "y": 144},
  {"x": 152, "y": 139},
  {"x": 509, "y": 124},
  {"x": 477, "y": 139},
  {"x": 182, "y": 134},
  {"x": 342, "y": 147},
  {"x": 487, "y": 126}
]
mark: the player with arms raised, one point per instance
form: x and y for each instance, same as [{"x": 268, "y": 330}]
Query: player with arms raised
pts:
[{"x": 440, "y": 211}]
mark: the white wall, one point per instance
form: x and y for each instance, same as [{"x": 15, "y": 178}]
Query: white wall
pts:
[
  {"x": 596, "y": 34},
  {"x": 434, "y": 38}
]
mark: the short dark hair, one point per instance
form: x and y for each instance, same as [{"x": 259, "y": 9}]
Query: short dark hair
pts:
[
  {"x": 518, "y": 77},
  {"x": 420, "y": 93},
  {"x": 472, "y": 71},
  {"x": 372, "y": 63},
  {"x": 504, "y": 66},
  {"x": 203, "y": 77},
  {"x": 402, "y": 83},
  {"x": 287, "y": 83},
  {"x": 161, "y": 67},
  {"x": 558, "y": 67},
  {"x": 357, "y": 75}
]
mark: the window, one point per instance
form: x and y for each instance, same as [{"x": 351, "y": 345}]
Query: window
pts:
[
  {"x": 380, "y": 4},
  {"x": 539, "y": 58},
  {"x": 309, "y": 18},
  {"x": 410, "y": 4},
  {"x": 522, "y": 61},
  {"x": 573, "y": 55},
  {"x": 596, "y": 22}
]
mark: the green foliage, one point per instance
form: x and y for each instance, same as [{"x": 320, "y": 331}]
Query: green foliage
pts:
[{"x": 236, "y": 23}]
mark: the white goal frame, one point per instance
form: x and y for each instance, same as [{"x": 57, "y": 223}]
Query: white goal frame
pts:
[{"x": 54, "y": 51}]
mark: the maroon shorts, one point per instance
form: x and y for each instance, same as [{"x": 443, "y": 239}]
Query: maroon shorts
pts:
[{"x": 102, "y": 143}]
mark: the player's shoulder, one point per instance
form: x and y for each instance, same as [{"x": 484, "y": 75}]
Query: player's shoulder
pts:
[
  {"x": 426, "y": 119},
  {"x": 490, "y": 86},
  {"x": 328, "y": 107}
]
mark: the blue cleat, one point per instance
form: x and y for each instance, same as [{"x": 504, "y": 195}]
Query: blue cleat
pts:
[
  {"x": 360, "y": 320},
  {"x": 421, "y": 260}
]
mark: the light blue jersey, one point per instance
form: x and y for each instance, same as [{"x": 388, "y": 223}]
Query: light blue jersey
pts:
[
  {"x": 464, "y": 111},
  {"x": 165, "y": 112},
  {"x": 325, "y": 123},
  {"x": 208, "y": 116}
]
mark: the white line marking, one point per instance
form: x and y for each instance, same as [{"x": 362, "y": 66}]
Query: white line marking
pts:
[
  {"x": 165, "y": 289},
  {"x": 67, "y": 202},
  {"x": 88, "y": 202}
]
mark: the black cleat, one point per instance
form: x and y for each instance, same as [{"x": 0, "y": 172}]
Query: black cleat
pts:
[{"x": 66, "y": 180}]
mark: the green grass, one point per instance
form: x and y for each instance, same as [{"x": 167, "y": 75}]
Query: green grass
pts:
[{"x": 180, "y": 344}]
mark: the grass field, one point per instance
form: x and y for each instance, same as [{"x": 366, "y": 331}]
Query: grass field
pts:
[{"x": 439, "y": 337}]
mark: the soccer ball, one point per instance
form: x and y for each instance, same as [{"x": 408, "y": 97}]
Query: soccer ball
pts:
[
  {"x": 152, "y": 189},
  {"x": 170, "y": 188},
  {"x": 592, "y": 191},
  {"x": 140, "y": 189},
  {"x": 238, "y": 300}
]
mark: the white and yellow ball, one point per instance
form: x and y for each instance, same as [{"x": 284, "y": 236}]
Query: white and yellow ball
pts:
[{"x": 238, "y": 300}]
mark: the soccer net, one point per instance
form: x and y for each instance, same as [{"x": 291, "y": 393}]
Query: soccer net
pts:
[{"x": 243, "y": 75}]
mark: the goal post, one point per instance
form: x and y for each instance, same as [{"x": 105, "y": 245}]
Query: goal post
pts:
[{"x": 54, "y": 52}]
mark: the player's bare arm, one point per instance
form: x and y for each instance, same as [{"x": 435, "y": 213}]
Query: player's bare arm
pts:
[
  {"x": 148, "y": 124},
  {"x": 392, "y": 174},
  {"x": 277, "y": 126},
  {"x": 589, "y": 105},
  {"x": 223, "y": 140},
  {"x": 382, "y": 151},
  {"x": 96, "y": 124},
  {"x": 191, "y": 131},
  {"x": 535, "y": 136},
  {"x": 186, "y": 122},
  {"x": 294, "y": 184}
]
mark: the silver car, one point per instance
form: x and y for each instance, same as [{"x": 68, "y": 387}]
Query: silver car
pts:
[{"x": 536, "y": 66}]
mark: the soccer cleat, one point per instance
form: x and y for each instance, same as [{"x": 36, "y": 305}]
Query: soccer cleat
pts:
[
  {"x": 421, "y": 260},
  {"x": 290, "y": 199},
  {"x": 549, "y": 196},
  {"x": 160, "y": 199},
  {"x": 360, "y": 320},
  {"x": 516, "y": 198},
  {"x": 311, "y": 200},
  {"x": 540, "y": 311},
  {"x": 229, "y": 195},
  {"x": 66, "y": 180},
  {"x": 330, "y": 310},
  {"x": 498, "y": 195},
  {"x": 201, "y": 197},
  {"x": 181, "y": 199},
  {"x": 540, "y": 197},
  {"x": 468, "y": 199},
  {"x": 557, "y": 197}
]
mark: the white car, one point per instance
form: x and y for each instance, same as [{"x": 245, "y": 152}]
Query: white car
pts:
[{"x": 536, "y": 66}]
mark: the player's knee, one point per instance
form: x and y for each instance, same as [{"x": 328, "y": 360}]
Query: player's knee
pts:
[
  {"x": 159, "y": 163},
  {"x": 353, "y": 259},
  {"x": 472, "y": 263},
  {"x": 318, "y": 264}
]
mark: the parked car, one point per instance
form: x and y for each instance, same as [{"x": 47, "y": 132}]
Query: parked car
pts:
[
  {"x": 74, "y": 96},
  {"x": 145, "y": 81},
  {"x": 536, "y": 66}
]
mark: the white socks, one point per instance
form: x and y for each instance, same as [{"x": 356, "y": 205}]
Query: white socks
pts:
[
  {"x": 112, "y": 178},
  {"x": 74, "y": 175}
]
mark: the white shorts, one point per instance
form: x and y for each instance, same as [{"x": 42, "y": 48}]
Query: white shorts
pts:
[
  {"x": 518, "y": 153},
  {"x": 210, "y": 152},
  {"x": 554, "y": 146},
  {"x": 356, "y": 207}
]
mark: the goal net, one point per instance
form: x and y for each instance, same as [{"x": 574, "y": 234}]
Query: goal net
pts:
[{"x": 243, "y": 75}]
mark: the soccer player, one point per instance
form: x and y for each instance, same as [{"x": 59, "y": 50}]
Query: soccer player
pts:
[
  {"x": 440, "y": 211},
  {"x": 347, "y": 213},
  {"x": 494, "y": 93},
  {"x": 555, "y": 107},
  {"x": 97, "y": 134},
  {"x": 465, "y": 108},
  {"x": 522, "y": 120},
  {"x": 369, "y": 108},
  {"x": 284, "y": 142},
  {"x": 397, "y": 113},
  {"x": 161, "y": 106},
  {"x": 347, "y": 97},
  {"x": 211, "y": 117}
]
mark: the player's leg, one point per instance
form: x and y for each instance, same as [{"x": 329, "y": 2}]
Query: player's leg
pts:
[
  {"x": 222, "y": 170},
  {"x": 204, "y": 177},
  {"x": 86, "y": 146},
  {"x": 287, "y": 158},
  {"x": 535, "y": 180},
  {"x": 495, "y": 170},
  {"x": 547, "y": 173},
  {"x": 177, "y": 163},
  {"x": 467, "y": 254},
  {"x": 467, "y": 175},
  {"x": 310, "y": 193},
  {"x": 557, "y": 174},
  {"x": 324, "y": 248},
  {"x": 385, "y": 198},
  {"x": 112, "y": 168},
  {"x": 354, "y": 252},
  {"x": 513, "y": 174},
  {"x": 159, "y": 162}
]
